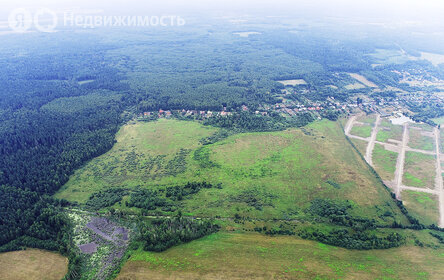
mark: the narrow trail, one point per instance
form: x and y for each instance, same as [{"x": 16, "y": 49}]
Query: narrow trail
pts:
[
  {"x": 438, "y": 181},
  {"x": 400, "y": 162},
  {"x": 349, "y": 125},
  {"x": 419, "y": 189},
  {"x": 371, "y": 144}
]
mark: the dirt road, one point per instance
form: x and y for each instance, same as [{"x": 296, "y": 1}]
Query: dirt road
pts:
[
  {"x": 438, "y": 181},
  {"x": 400, "y": 162},
  {"x": 371, "y": 143}
]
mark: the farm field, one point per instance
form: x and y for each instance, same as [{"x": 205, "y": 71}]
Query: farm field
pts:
[
  {"x": 363, "y": 80},
  {"x": 385, "y": 162},
  {"x": 254, "y": 256},
  {"x": 263, "y": 175},
  {"x": 293, "y": 82},
  {"x": 32, "y": 264},
  {"x": 419, "y": 170},
  {"x": 422, "y": 206}
]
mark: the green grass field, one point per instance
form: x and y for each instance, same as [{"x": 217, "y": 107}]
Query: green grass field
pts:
[
  {"x": 419, "y": 170},
  {"x": 255, "y": 256},
  {"x": 364, "y": 130},
  {"x": 387, "y": 131},
  {"x": 422, "y": 206},
  {"x": 368, "y": 119},
  {"x": 281, "y": 171},
  {"x": 419, "y": 141},
  {"x": 360, "y": 145},
  {"x": 385, "y": 162},
  {"x": 439, "y": 120}
]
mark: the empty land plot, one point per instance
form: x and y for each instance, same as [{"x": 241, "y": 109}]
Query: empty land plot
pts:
[
  {"x": 144, "y": 152},
  {"x": 417, "y": 140},
  {"x": 265, "y": 175},
  {"x": 32, "y": 264},
  {"x": 361, "y": 130},
  {"x": 419, "y": 170},
  {"x": 389, "y": 56},
  {"x": 296, "y": 82},
  {"x": 246, "y": 34},
  {"x": 422, "y": 206},
  {"x": 387, "y": 131},
  {"x": 385, "y": 162},
  {"x": 363, "y": 80},
  {"x": 442, "y": 140},
  {"x": 254, "y": 256},
  {"x": 438, "y": 120},
  {"x": 423, "y": 126},
  {"x": 368, "y": 119},
  {"x": 354, "y": 86},
  {"x": 434, "y": 58}
]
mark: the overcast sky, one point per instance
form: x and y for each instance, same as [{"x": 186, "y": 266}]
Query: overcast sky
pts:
[{"x": 405, "y": 9}]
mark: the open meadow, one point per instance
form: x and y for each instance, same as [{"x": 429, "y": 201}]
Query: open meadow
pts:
[
  {"x": 271, "y": 175},
  {"x": 254, "y": 256},
  {"x": 32, "y": 264}
]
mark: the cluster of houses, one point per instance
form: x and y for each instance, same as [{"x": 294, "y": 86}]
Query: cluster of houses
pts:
[{"x": 186, "y": 113}]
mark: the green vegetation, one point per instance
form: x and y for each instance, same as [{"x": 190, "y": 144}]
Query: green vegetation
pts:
[
  {"x": 105, "y": 198},
  {"x": 360, "y": 145},
  {"x": 387, "y": 131},
  {"x": 160, "y": 234},
  {"x": 255, "y": 256},
  {"x": 264, "y": 175},
  {"x": 419, "y": 141},
  {"x": 364, "y": 130},
  {"x": 385, "y": 162},
  {"x": 422, "y": 206},
  {"x": 419, "y": 170}
]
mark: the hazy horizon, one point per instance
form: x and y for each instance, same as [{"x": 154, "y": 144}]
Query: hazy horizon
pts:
[{"x": 389, "y": 10}]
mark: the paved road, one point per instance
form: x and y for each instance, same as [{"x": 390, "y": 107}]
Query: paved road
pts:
[
  {"x": 371, "y": 143},
  {"x": 438, "y": 182},
  {"x": 400, "y": 162}
]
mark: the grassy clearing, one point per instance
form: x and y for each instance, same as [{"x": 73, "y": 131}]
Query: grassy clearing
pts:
[
  {"x": 438, "y": 120},
  {"x": 387, "y": 131},
  {"x": 32, "y": 264},
  {"x": 419, "y": 170},
  {"x": 360, "y": 145},
  {"x": 144, "y": 152},
  {"x": 254, "y": 256},
  {"x": 385, "y": 162},
  {"x": 368, "y": 119},
  {"x": 263, "y": 175},
  {"x": 422, "y": 206},
  {"x": 364, "y": 130},
  {"x": 419, "y": 141}
]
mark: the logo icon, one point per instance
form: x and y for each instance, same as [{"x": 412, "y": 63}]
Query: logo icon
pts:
[
  {"x": 50, "y": 16},
  {"x": 20, "y": 20}
]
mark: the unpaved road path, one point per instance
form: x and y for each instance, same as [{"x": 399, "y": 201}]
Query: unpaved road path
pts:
[
  {"x": 371, "y": 143},
  {"x": 418, "y": 189},
  {"x": 400, "y": 162},
  {"x": 438, "y": 181},
  {"x": 349, "y": 125}
]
